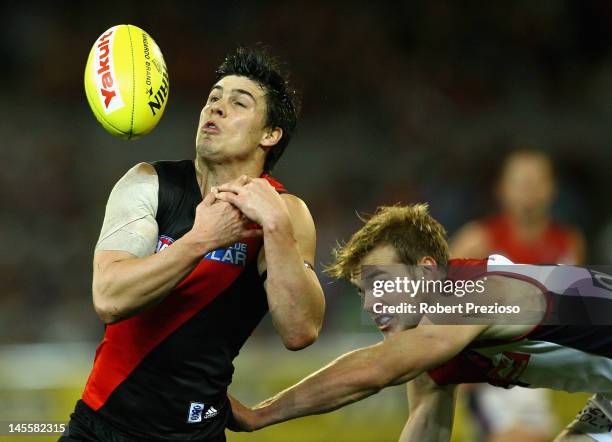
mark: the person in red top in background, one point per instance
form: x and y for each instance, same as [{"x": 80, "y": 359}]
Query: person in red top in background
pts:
[{"x": 524, "y": 232}]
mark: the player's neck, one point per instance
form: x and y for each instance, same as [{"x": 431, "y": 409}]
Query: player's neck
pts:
[{"x": 209, "y": 175}]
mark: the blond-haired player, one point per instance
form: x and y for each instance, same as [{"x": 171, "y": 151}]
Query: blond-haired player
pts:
[{"x": 434, "y": 358}]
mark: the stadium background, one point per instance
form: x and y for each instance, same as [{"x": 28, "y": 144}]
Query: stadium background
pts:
[{"x": 403, "y": 101}]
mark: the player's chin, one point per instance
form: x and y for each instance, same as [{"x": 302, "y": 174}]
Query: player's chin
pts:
[
  {"x": 206, "y": 148},
  {"x": 397, "y": 326},
  {"x": 389, "y": 329}
]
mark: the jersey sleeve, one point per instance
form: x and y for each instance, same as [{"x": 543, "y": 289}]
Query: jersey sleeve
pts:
[{"x": 129, "y": 222}]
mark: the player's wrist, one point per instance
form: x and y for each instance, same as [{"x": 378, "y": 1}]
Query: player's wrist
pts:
[
  {"x": 262, "y": 416},
  {"x": 277, "y": 224},
  {"x": 195, "y": 247}
]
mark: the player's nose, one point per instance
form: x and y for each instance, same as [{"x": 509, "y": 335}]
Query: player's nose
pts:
[{"x": 217, "y": 108}]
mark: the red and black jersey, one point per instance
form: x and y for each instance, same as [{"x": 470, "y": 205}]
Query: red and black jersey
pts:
[{"x": 163, "y": 374}]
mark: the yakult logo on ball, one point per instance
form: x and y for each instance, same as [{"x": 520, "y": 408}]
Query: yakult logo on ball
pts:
[{"x": 108, "y": 89}]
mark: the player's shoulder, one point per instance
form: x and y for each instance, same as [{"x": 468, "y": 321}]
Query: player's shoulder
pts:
[
  {"x": 296, "y": 207},
  {"x": 294, "y": 202},
  {"x": 140, "y": 170},
  {"x": 144, "y": 168},
  {"x": 140, "y": 178}
]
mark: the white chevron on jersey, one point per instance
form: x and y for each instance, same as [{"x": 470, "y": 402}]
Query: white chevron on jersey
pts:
[{"x": 555, "y": 366}]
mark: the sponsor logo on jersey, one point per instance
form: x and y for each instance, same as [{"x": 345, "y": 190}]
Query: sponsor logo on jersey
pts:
[
  {"x": 195, "y": 412},
  {"x": 508, "y": 366},
  {"x": 210, "y": 413},
  {"x": 163, "y": 242},
  {"x": 235, "y": 254},
  {"x": 106, "y": 80}
]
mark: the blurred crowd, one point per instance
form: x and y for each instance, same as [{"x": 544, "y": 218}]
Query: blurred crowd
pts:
[{"x": 402, "y": 102}]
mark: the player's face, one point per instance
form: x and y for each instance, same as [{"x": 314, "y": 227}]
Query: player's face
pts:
[
  {"x": 383, "y": 264},
  {"x": 527, "y": 185},
  {"x": 232, "y": 123}
]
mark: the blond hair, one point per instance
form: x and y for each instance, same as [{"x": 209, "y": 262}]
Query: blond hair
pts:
[{"x": 411, "y": 230}]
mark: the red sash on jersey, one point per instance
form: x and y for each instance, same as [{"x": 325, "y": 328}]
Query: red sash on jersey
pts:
[{"x": 126, "y": 343}]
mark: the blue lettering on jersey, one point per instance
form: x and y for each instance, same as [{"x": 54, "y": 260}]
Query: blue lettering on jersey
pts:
[{"x": 235, "y": 254}]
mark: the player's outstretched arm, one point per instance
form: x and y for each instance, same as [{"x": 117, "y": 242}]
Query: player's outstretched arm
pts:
[
  {"x": 432, "y": 409},
  {"x": 361, "y": 373},
  {"x": 127, "y": 275},
  {"x": 295, "y": 297}
]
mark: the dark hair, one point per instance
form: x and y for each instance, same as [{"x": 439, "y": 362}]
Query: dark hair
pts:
[{"x": 282, "y": 101}]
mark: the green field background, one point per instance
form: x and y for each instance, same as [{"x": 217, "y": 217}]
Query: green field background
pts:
[{"x": 42, "y": 382}]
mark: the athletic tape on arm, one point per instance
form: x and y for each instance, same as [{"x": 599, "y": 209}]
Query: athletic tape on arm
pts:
[{"x": 129, "y": 223}]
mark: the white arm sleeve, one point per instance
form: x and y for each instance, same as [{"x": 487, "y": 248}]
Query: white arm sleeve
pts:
[{"x": 129, "y": 223}]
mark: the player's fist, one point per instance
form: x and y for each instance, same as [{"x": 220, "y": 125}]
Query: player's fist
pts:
[
  {"x": 218, "y": 224},
  {"x": 256, "y": 199}
]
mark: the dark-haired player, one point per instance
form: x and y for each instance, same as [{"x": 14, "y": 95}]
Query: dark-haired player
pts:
[
  {"x": 181, "y": 279},
  {"x": 484, "y": 347}
]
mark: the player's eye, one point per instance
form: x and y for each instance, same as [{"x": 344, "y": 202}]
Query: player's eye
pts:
[
  {"x": 213, "y": 99},
  {"x": 240, "y": 103}
]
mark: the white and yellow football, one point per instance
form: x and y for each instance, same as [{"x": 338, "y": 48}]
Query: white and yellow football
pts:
[{"x": 126, "y": 81}]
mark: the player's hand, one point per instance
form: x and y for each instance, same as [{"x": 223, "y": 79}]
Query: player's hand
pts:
[
  {"x": 256, "y": 199},
  {"x": 218, "y": 224},
  {"x": 242, "y": 419}
]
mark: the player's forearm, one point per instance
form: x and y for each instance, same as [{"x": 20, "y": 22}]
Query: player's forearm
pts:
[
  {"x": 125, "y": 287},
  {"x": 360, "y": 373},
  {"x": 295, "y": 297},
  {"x": 424, "y": 428},
  {"x": 431, "y": 420},
  {"x": 350, "y": 378}
]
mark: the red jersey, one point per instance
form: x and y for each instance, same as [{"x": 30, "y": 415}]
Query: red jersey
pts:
[{"x": 553, "y": 246}]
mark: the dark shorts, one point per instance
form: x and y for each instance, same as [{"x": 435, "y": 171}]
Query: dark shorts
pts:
[{"x": 85, "y": 426}]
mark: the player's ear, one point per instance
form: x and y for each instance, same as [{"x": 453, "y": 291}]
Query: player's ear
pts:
[
  {"x": 427, "y": 261},
  {"x": 428, "y": 266},
  {"x": 271, "y": 136}
]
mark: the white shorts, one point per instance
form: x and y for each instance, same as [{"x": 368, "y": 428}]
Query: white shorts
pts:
[
  {"x": 528, "y": 408},
  {"x": 595, "y": 419}
]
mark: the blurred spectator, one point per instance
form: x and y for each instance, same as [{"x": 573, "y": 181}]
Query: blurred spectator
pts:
[{"x": 524, "y": 232}]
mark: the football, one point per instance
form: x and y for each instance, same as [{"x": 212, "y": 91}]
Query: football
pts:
[{"x": 126, "y": 81}]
